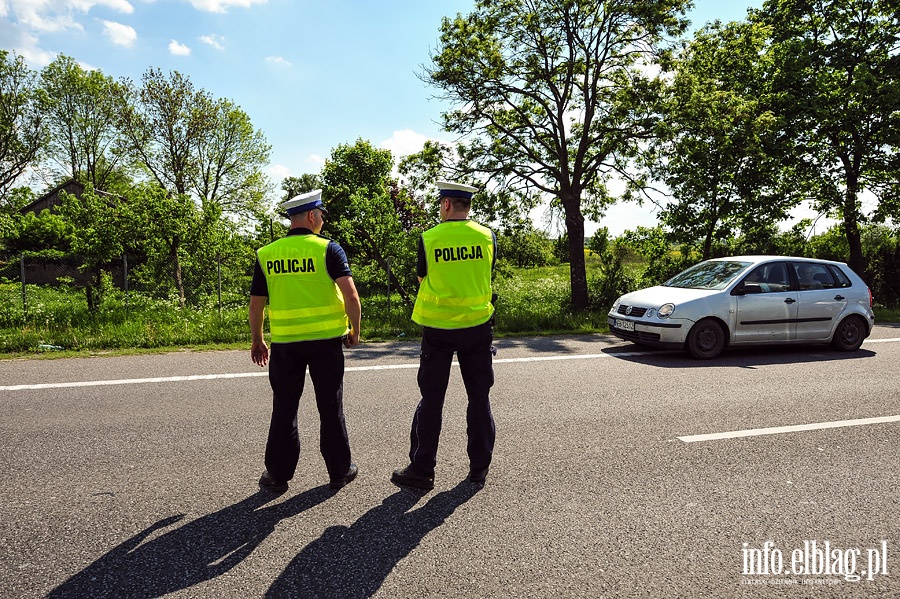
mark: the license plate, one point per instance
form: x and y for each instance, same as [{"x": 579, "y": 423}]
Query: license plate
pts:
[{"x": 625, "y": 325}]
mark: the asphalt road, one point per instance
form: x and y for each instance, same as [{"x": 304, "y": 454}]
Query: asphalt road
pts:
[{"x": 144, "y": 488}]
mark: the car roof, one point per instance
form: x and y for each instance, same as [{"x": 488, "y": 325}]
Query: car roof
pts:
[{"x": 757, "y": 259}]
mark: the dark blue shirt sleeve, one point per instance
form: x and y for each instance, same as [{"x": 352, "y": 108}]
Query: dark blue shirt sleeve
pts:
[
  {"x": 336, "y": 261},
  {"x": 259, "y": 285},
  {"x": 421, "y": 264}
]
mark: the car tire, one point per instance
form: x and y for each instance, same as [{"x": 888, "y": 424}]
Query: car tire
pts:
[
  {"x": 706, "y": 339},
  {"x": 849, "y": 334}
]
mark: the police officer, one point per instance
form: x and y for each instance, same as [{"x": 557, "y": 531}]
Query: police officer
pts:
[
  {"x": 313, "y": 306},
  {"x": 454, "y": 308}
]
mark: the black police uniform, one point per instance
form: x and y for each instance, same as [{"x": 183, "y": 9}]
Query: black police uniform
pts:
[
  {"x": 287, "y": 374},
  {"x": 474, "y": 350}
]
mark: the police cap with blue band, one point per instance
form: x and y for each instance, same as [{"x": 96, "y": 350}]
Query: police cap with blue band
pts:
[
  {"x": 448, "y": 189},
  {"x": 304, "y": 202}
]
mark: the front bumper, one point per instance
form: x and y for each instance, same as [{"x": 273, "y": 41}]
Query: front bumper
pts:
[{"x": 659, "y": 334}]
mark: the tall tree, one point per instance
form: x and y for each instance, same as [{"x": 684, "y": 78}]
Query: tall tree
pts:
[
  {"x": 716, "y": 146},
  {"x": 231, "y": 156},
  {"x": 555, "y": 96},
  {"x": 22, "y": 129},
  {"x": 194, "y": 145},
  {"x": 292, "y": 186},
  {"x": 836, "y": 72},
  {"x": 81, "y": 108},
  {"x": 364, "y": 212},
  {"x": 162, "y": 122}
]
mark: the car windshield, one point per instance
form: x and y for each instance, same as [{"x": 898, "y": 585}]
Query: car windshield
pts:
[{"x": 713, "y": 274}]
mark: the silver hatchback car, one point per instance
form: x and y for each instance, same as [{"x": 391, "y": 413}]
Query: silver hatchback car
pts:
[{"x": 749, "y": 300}]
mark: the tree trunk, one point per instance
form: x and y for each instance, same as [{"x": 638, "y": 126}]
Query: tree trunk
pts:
[
  {"x": 381, "y": 260},
  {"x": 851, "y": 229},
  {"x": 577, "y": 273}
]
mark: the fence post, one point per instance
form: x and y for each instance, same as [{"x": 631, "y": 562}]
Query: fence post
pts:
[
  {"x": 24, "y": 294},
  {"x": 219, "y": 272},
  {"x": 388, "y": 260},
  {"x": 125, "y": 281}
]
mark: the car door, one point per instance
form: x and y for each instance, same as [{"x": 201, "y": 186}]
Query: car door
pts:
[
  {"x": 821, "y": 300},
  {"x": 766, "y": 306}
]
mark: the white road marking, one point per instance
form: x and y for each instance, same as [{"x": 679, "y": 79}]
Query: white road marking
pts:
[
  {"x": 238, "y": 375},
  {"x": 775, "y": 430}
]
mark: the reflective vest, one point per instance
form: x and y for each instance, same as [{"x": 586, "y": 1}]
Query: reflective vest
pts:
[
  {"x": 304, "y": 302},
  {"x": 456, "y": 291}
]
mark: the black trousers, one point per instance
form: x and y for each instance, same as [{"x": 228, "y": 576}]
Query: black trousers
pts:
[
  {"x": 473, "y": 347},
  {"x": 287, "y": 374}
]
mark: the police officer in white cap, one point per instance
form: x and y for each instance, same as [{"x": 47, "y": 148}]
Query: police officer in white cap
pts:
[
  {"x": 454, "y": 307},
  {"x": 313, "y": 308}
]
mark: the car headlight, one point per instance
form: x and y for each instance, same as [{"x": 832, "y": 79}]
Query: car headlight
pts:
[
  {"x": 666, "y": 310},
  {"x": 615, "y": 306}
]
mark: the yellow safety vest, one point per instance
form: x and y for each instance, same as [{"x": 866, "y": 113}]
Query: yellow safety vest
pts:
[
  {"x": 304, "y": 302},
  {"x": 456, "y": 291}
]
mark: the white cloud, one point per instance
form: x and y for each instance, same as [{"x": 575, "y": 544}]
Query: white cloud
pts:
[
  {"x": 279, "y": 171},
  {"x": 119, "y": 34},
  {"x": 56, "y": 15},
  {"x": 216, "y": 41},
  {"x": 221, "y": 6},
  {"x": 24, "y": 44},
  {"x": 316, "y": 159},
  {"x": 277, "y": 60},
  {"x": 122, "y": 6},
  {"x": 405, "y": 142},
  {"x": 178, "y": 49}
]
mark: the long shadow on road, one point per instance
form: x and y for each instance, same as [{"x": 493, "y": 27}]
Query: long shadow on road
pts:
[
  {"x": 198, "y": 551},
  {"x": 353, "y": 562}
]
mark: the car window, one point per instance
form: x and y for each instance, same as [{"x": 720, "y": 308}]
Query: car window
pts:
[
  {"x": 841, "y": 280},
  {"x": 712, "y": 274},
  {"x": 814, "y": 276},
  {"x": 767, "y": 278}
]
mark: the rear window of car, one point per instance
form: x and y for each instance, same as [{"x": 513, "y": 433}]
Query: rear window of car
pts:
[
  {"x": 840, "y": 279},
  {"x": 712, "y": 274}
]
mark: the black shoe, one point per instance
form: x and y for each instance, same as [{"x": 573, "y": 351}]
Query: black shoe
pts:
[
  {"x": 268, "y": 483},
  {"x": 410, "y": 478},
  {"x": 478, "y": 476},
  {"x": 343, "y": 481}
]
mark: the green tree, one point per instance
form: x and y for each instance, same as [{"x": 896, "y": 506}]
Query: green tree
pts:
[
  {"x": 161, "y": 121},
  {"x": 365, "y": 211},
  {"x": 81, "y": 109},
  {"x": 292, "y": 186},
  {"x": 100, "y": 222},
  {"x": 231, "y": 156},
  {"x": 715, "y": 145},
  {"x": 554, "y": 97},
  {"x": 836, "y": 74},
  {"x": 164, "y": 224},
  {"x": 22, "y": 127},
  {"x": 525, "y": 247},
  {"x": 41, "y": 232}
]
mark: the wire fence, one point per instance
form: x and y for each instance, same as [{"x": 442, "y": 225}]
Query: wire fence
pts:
[{"x": 38, "y": 284}]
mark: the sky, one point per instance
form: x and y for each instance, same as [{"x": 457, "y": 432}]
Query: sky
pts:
[{"x": 311, "y": 74}]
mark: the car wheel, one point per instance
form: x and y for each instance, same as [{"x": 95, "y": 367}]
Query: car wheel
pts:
[
  {"x": 706, "y": 339},
  {"x": 849, "y": 334}
]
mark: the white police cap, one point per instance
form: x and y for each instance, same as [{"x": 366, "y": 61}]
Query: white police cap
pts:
[
  {"x": 449, "y": 189},
  {"x": 303, "y": 202}
]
